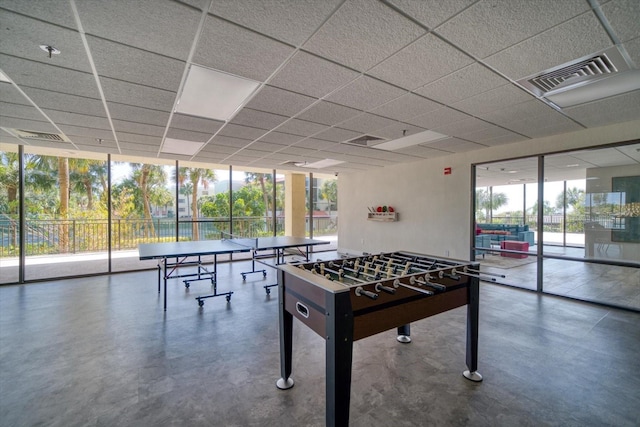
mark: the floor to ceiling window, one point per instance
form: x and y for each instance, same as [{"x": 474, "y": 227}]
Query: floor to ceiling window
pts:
[
  {"x": 589, "y": 228},
  {"x": 65, "y": 216},
  {"x": 9, "y": 217}
]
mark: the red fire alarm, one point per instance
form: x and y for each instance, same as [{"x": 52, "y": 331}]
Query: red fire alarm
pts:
[{"x": 447, "y": 171}]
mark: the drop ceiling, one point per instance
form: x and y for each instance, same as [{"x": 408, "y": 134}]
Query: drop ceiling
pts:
[{"x": 327, "y": 72}]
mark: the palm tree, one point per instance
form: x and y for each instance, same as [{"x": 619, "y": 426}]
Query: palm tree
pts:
[
  {"x": 329, "y": 192},
  {"x": 147, "y": 177},
  {"x": 195, "y": 176},
  {"x": 9, "y": 179},
  {"x": 262, "y": 179},
  {"x": 574, "y": 198},
  {"x": 489, "y": 202},
  {"x": 85, "y": 175}
]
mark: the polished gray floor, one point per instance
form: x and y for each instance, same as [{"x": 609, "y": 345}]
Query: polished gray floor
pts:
[{"x": 100, "y": 351}]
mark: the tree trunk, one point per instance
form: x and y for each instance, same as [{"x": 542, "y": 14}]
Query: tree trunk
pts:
[
  {"x": 63, "y": 181},
  {"x": 194, "y": 206},
  {"x": 265, "y": 197},
  {"x": 144, "y": 179},
  {"x": 89, "y": 189}
]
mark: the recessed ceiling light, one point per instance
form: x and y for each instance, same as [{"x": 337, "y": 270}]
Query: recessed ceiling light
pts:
[
  {"x": 179, "y": 146},
  {"x": 214, "y": 94},
  {"x": 320, "y": 164},
  {"x": 575, "y": 165},
  {"x": 408, "y": 141}
]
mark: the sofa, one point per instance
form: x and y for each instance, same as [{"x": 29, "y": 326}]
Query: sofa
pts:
[{"x": 502, "y": 232}]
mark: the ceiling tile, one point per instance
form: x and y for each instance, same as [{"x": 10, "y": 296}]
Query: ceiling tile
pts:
[
  {"x": 362, "y": 33},
  {"x": 488, "y": 133},
  {"x": 301, "y": 127},
  {"x": 137, "y": 95},
  {"x": 431, "y": 13},
  {"x": 366, "y": 123},
  {"x": 258, "y": 119},
  {"x": 21, "y": 111},
  {"x": 140, "y": 139},
  {"x": 302, "y": 17},
  {"x": 227, "y": 47},
  {"x": 27, "y": 124},
  {"x": 406, "y": 107},
  {"x": 187, "y": 135},
  {"x": 337, "y": 135},
  {"x": 462, "y": 84},
  {"x": 279, "y": 101},
  {"x": 633, "y": 48},
  {"x": 398, "y": 130},
  {"x": 139, "y": 128},
  {"x": 266, "y": 146},
  {"x": 138, "y": 114},
  {"x": 316, "y": 144},
  {"x": 142, "y": 24},
  {"x": 229, "y": 141},
  {"x": 198, "y": 124},
  {"x": 514, "y": 113},
  {"x": 22, "y": 37},
  {"x": 73, "y": 131},
  {"x": 571, "y": 40},
  {"x": 57, "y": 12},
  {"x": 623, "y": 17},
  {"x": 64, "y": 102},
  {"x": 616, "y": 109},
  {"x": 281, "y": 138},
  {"x": 62, "y": 117},
  {"x": 454, "y": 145},
  {"x": 243, "y": 132},
  {"x": 328, "y": 113},
  {"x": 420, "y": 151},
  {"x": 493, "y": 25},
  {"x": 313, "y": 76},
  {"x": 47, "y": 76},
  {"x": 421, "y": 62},
  {"x": 133, "y": 65},
  {"x": 365, "y": 93},
  {"x": 464, "y": 126},
  {"x": 494, "y": 99},
  {"x": 9, "y": 94},
  {"x": 440, "y": 117}
]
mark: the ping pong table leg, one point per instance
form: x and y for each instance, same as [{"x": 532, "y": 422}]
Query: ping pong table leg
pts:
[{"x": 165, "y": 284}]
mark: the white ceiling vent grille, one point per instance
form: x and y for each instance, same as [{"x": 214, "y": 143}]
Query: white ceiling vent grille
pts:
[
  {"x": 41, "y": 136},
  {"x": 595, "y": 66},
  {"x": 583, "y": 80},
  {"x": 365, "y": 141}
]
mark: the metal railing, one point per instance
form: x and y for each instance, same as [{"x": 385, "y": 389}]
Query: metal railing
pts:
[{"x": 45, "y": 237}]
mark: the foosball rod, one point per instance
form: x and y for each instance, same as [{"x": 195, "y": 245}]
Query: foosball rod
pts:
[
  {"x": 488, "y": 273},
  {"x": 415, "y": 259}
]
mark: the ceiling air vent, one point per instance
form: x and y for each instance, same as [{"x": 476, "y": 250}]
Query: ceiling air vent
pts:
[
  {"x": 583, "y": 80},
  {"x": 365, "y": 141},
  {"x": 41, "y": 136}
]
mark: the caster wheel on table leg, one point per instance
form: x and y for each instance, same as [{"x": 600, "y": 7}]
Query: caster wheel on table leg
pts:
[
  {"x": 244, "y": 277},
  {"x": 186, "y": 285},
  {"x": 200, "y": 303},
  {"x": 228, "y": 298}
]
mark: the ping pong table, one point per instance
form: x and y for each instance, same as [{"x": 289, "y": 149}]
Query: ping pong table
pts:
[{"x": 173, "y": 255}]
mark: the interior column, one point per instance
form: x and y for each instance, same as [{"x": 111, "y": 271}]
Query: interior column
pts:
[{"x": 294, "y": 211}]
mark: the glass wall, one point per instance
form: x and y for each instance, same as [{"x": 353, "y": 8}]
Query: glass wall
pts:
[
  {"x": 9, "y": 219},
  {"x": 65, "y": 216},
  {"x": 590, "y": 227},
  {"x": 141, "y": 211}
]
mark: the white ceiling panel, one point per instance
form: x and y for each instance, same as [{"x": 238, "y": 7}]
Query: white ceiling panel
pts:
[
  {"x": 490, "y": 26},
  {"x": 138, "y": 114},
  {"x": 279, "y": 101},
  {"x": 422, "y": 62},
  {"x": 302, "y": 17},
  {"x": 454, "y": 145},
  {"x": 440, "y": 117},
  {"x": 337, "y": 134},
  {"x": 227, "y": 47},
  {"x": 137, "y": 95},
  {"x": 242, "y": 132},
  {"x": 143, "y": 24},
  {"x": 281, "y": 138},
  {"x": 64, "y": 118},
  {"x": 616, "y": 109},
  {"x": 258, "y": 119},
  {"x": 407, "y": 106},
  {"x": 47, "y": 99},
  {"x": 328, "y": 113},
  {"x": 301, "y": 127},
  {"x": 492, "y": 100},
  {"x": 623, "y": 16},
  {"x": 366, "y": 122},
  {"x": 365, "y": 93},
  {"x": 121, "y": 62},
  {"x": 371, "y": 30},
  {"x": 139, "y": 128},
  {"x": 571, "y": 40},
  {"x": 198, "y": 124},
  {"x": 431, "y": 13},
  {"x": 311, "y": 75},
  {"x": 467, "y": 82},
  {"x": 28, "y": 112}
]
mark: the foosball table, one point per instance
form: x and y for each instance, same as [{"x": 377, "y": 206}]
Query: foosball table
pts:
[{"x": 348, "y": 299}]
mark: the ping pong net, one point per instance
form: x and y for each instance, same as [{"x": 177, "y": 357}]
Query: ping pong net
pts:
[{"x": 243, "y": 241}]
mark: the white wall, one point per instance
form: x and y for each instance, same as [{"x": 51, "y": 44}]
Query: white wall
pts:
[{"x": 435, "y": 209}]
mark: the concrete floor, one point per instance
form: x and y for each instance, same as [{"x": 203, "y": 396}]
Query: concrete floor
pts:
[{"x": 100, "y": 351}]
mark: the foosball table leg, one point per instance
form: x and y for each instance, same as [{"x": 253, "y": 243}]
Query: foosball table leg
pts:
[
  {"x": 472, "y": 330},
  {"x": 404, "y": 334},
  {"x": 286, "y": 343}
]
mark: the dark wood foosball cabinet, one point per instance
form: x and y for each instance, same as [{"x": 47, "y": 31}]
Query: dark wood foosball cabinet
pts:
[{"x": 348, "y": 299}]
